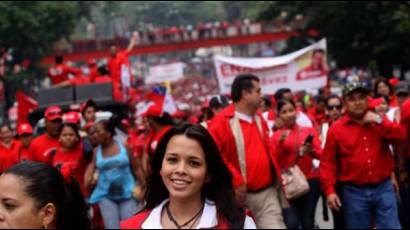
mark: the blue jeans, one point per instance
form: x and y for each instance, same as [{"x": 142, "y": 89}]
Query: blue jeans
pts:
[
  {"x": 302, "y": 210},
  {"x": 362, "y": 204},
  {"x": 113, "y": 212}
]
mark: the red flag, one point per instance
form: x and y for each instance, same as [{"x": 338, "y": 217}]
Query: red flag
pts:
[{"x": 25, "y": 106}]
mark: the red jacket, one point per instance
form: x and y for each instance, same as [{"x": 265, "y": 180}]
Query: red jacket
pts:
[
  {"x": 137, "y": 221},
  {"x": 286, "y": 154},
  {"x": 221, "y": 131}
]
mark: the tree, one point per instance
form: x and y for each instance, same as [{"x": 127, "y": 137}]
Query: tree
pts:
[
  {"x": 358, "y": 33},
  {"x": 30, "y": 28}
]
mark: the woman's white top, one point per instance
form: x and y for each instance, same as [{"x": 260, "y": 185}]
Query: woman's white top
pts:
[{"x": 208, "y": 219}]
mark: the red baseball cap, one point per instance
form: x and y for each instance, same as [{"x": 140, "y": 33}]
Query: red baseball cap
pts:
[
  {"x": 72, "y": 118},
  {"x": 153, "y": 111},
  {"x": 53, "y": 113},
  {"x": 24, "y": 129}
]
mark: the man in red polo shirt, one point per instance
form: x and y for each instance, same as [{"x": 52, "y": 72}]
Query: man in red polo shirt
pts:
[
  {"x": 357, "y": 154},
  {"x": 43, "y": 145},
  {"x": 242, "y": 136},
  {"x": 9, "y": 148}
]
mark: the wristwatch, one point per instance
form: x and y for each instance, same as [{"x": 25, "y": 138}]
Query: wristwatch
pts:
[{"x": 379, "y": 119}]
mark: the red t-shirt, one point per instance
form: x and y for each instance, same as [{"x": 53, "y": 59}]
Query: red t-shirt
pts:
[
  {"x": 71, "y": 163},
  {"x": 9, "y": 156},
  {"x": 59, "y": 73},
  {"x": 41, "y": 148}
]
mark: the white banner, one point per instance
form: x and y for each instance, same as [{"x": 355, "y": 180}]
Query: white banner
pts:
[
  {"x": 304, "y": 69},
  {"x": 164, "y": 73}
]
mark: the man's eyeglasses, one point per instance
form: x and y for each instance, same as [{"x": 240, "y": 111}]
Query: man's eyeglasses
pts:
[{"x": 334, "y": 107}]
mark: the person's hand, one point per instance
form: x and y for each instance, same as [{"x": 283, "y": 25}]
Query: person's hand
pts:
[
  {"x": 333, "y": 201},
  {"x": 279, "y": 124},
  {"x": 135, "y": 38},
  {"x": 370, "y": 117},
  {"x": 240, "y": 194},
  {"x": 395, "y": 185},
  {"x": 284, "y": 136}
]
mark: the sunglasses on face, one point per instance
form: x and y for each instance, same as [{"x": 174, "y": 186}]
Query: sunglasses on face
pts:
[{"x": 334, "y": 107}]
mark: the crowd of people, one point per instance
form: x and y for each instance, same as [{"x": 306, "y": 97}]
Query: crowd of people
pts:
[
  {"x": 248, "y": 161},
  {"x": 154, "y": 35}
]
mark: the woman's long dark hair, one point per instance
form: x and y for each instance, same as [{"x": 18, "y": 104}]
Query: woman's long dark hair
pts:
[
  {"x": 384, "y": 81},
  {"x": 73, "y": 127},
  {"x": 219, "y": 189},
  {"x": 280, "y": 104},
  {"x": 45, "y": 184}
]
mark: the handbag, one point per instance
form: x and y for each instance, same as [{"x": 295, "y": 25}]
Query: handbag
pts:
[{"x": 296, "y": 182}]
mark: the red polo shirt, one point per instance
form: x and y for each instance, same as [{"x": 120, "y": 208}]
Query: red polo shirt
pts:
[
  {"x": 358, "y": 154},
  {"x": 258, "y": 169},
  {"x": 405, "y": 119},
  {"x": 9, "y": 156},
  {"x": 258, "y": 150},
  {"x": 41, "y": 147},
  {"x": 285, "y": 151},
  {"x": 71, "y": 163}
]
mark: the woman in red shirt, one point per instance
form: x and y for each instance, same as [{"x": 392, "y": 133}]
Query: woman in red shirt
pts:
[
  {"x": 9, "y": 148},
  {"x": 68, "y": 157},
  {"x": 298, "y": 145}
]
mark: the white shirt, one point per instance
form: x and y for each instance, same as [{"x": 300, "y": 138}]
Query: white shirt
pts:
[
  {"x": 244, "y": 117},
  {"x": 208, "y": 219},
  {"x": 391, "y": 115}
]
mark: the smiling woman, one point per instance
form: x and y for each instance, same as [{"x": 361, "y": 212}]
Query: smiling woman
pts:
[{"x": 190, "y": 186}]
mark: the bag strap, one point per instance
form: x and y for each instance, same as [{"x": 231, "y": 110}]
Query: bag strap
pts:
[
  {"x": 240, "y": 143},
  {"x": 297, "y": 147}
]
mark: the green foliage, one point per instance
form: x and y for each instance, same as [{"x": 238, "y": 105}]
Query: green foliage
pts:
[
  {"x": 358, "y": 33},
  {"x": 30, "y": 28}
]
